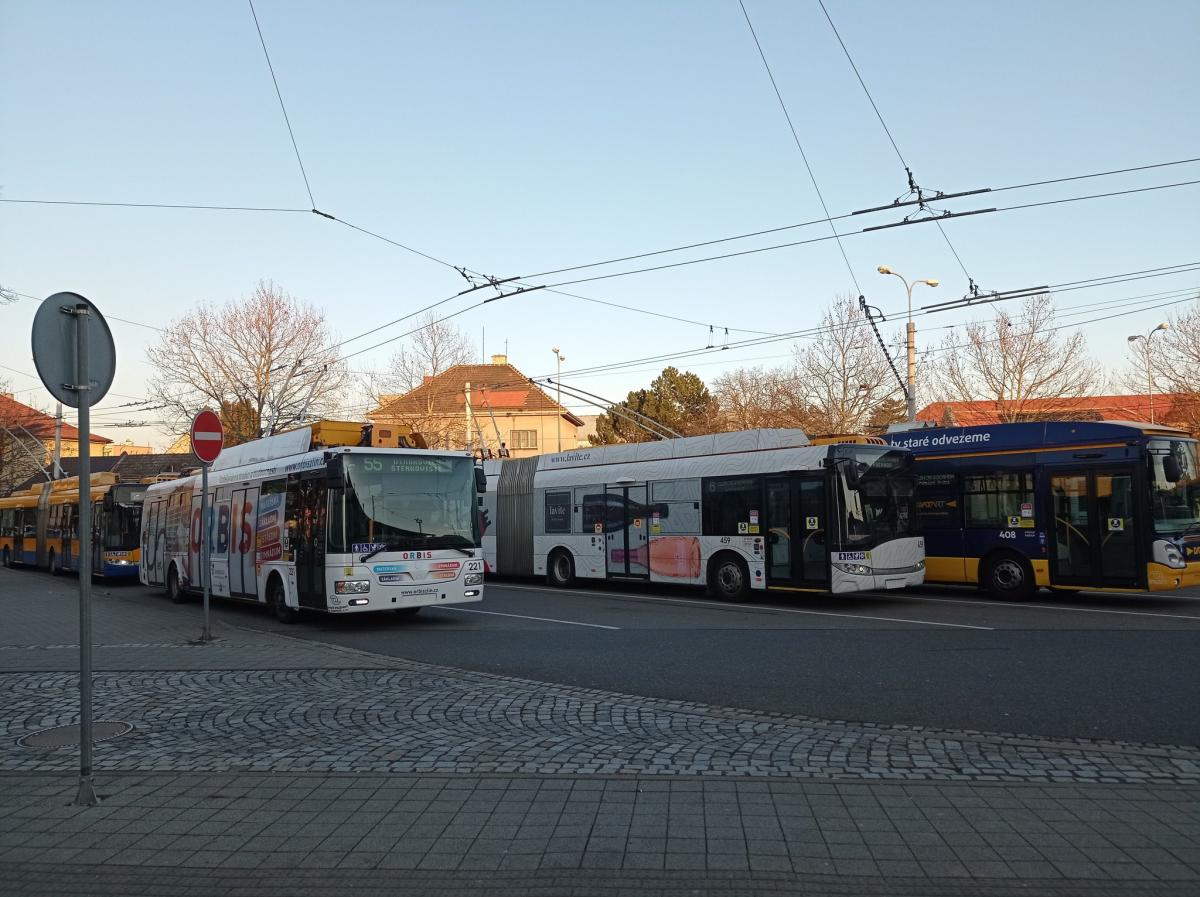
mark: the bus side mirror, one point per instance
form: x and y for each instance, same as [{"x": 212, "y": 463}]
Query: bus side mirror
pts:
[
  {"x": 1171, "y": 469},
  {"x": 480, "y": 480}
]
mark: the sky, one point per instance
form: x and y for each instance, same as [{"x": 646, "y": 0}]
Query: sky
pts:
[{"x": 516, "y": 138}]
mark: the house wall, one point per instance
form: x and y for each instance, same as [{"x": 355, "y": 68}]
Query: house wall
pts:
[{"x": 544, "y": 426}]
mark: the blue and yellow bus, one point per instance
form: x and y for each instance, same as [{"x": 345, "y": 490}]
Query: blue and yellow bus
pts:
[
  {"x": 1065, "y": 505},
  {"x": 39, "y": 527}
]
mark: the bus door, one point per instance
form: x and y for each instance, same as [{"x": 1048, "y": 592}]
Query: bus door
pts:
[
  {"x": 306, "y": 512},
  {"x": 627, "y": 531},
  {"x": 1094, "y": 541},
  {"x": 796, "y": 521}
]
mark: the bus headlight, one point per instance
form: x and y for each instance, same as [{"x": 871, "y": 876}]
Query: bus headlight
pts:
[
  {"x": 351, "y": 586},
  {"x": 473, "y": 579},
  {"x": 1169, "y": 555},
  {"x": 853, "y": 569}
]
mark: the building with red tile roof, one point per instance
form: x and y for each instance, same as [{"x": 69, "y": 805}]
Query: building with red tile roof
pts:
[
  {"x": 506, "y": 409},
  {"x": 1180, "y": 410}
]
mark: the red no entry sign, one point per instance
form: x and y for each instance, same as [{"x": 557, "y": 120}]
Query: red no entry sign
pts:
[{"x": 208, "y": 436}]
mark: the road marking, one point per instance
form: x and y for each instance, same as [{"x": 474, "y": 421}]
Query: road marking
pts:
[
  {"x": 493, "y": 613},
  {"x": 1019, "y": 604},
  {"x": 690, "y": 602}
]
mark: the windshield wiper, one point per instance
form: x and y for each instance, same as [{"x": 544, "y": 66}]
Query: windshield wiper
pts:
[{"x": 370, "y": 554}]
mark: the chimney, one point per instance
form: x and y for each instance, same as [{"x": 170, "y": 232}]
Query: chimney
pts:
[{"x": 499, "y": 359}]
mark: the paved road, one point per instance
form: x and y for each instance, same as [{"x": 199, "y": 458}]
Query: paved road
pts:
[
  {"x": 1094, "y": 666},
  {"x": 280, "y": 761}
]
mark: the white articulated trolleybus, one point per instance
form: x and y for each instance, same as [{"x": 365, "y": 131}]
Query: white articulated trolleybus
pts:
[
  {"x": 736, "y": 512},
  {"x": 303, "y": 525}
]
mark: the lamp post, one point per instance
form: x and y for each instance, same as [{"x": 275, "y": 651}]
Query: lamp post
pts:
[
  {"x": 559, "y": 358},
  {"x": 911, "y": 388},
  {"x": 1149, "y": 369}
]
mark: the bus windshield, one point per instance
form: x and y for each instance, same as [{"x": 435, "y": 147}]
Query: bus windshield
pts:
[
  {"x": 1174, "y": 485},
  {"x": 404, "y": 502},
  {"x": 124, "y": 523},
  {"x": 884, "y": 505}
]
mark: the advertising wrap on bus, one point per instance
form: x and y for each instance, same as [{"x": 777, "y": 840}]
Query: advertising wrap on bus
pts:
[
  {"x": 300, "y": 532},
  {"x": 1067, "y": 505},
  {"x": 734, "y": 512}
]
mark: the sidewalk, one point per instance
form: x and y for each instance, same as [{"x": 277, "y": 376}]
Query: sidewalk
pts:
[{"x": 268, "y": 764}]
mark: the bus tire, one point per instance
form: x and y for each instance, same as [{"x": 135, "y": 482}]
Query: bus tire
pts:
[
  {"x": 52, "y": 563},
  {"x": 1008, "y": 577},
  {"x": 560, "y": 569},
  {"x": 728, "y": 577},
  {"x": 277, "y": 601},
  {"x": 174, "y": 592}
]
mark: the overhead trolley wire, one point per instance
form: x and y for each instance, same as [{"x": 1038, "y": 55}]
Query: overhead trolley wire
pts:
[
  {"x": 282, "y": 107},
  {"x": 863, "y": 84},
  {"x": 856, "y": 233},
  {"x": 796, "y": 137},
  {"x": 887, "y": 131}
]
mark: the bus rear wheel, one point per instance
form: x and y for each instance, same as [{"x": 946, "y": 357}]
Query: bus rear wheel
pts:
[
  {"x": 278, "y": 602},
  {"x": 560, "y": 572},
  {"x": 729, "y": 578},
  {"x": 1008, "y": 577}
]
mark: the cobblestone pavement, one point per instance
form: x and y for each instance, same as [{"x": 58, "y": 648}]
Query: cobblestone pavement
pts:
[
  {"x": 286, "y": 767},
  {"x": 429, "y": 719},
  {"x": 301, "y": 834}
]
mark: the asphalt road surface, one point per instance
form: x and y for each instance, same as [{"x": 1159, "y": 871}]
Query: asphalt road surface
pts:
[{"x": 1090, "y": 666}]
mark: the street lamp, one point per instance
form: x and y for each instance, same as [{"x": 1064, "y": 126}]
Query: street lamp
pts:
[
  {"x": 1149, "y": 370},
  {"x": 559, "y": 358},
  {"x": 911, "y": 388}
]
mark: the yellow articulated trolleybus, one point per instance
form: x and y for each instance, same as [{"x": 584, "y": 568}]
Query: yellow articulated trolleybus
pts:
[
  {"x": 1067, "y": 505},
  {"x": 736, "y": 512},
  {"x": 301, "y": 522},
  {"x": 39, "y": 527}
]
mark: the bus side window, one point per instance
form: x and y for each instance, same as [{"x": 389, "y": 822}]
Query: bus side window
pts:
[
  {"x": 593, "y": 512},
  {"x": 991, "y": 499},
  {"x": 728, "y": 503}
]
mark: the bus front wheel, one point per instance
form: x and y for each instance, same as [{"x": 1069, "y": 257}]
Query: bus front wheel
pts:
[
  {"x": 560, "y": 572},
  {"x": 1008, "y": 577},
  {"x": 277, "y": 599},
  {"x": 729, "y": 578},
  {"x": 174, "y": 592}
]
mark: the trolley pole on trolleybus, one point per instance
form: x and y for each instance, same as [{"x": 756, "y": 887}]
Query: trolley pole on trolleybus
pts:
[
  {"x": 75, "y": 358},
  {"x": 208, "y": 437}
]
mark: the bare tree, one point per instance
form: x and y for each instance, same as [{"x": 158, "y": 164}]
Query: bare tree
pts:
[
  {"x": 1175, "y": 365},
  {"x": 436, "y": 347},
  {"x": 1018, "y": 363},
  {"x": 748, "y": 398},
  {"x": 265, "y": 362},
  {"x": 843, "y": 375}
]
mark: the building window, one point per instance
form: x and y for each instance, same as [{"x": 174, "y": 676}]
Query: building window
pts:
[
  {"x": 992, "y": 499},
  {"x": 523, "y": 439}
]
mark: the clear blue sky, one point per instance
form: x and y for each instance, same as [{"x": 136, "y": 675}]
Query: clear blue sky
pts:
[{"x": 517, "y": 137}]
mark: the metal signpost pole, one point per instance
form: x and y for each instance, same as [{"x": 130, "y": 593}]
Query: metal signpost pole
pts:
[
  {"x": 206, "y": 529},
  {"x": 76, "y": 360},
  {"x": 87, "y": 791}
]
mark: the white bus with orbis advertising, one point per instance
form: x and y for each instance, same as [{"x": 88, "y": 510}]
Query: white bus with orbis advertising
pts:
[
  {"x": 304, "y": 526},
  {"x": 736, "y": 512}
]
